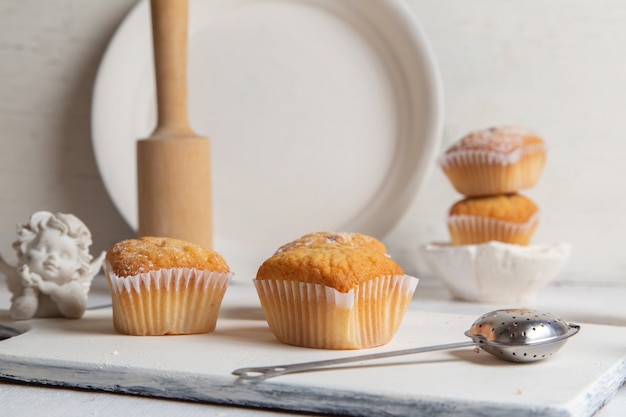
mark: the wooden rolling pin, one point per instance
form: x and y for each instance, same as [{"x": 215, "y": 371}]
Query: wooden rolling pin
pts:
[{"x": 174, "y": 179}]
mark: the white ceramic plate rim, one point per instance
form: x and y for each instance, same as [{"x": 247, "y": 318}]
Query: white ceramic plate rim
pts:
[{"x": 418, "y": 138}]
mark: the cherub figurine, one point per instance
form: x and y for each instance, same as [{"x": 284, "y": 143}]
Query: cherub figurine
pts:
[{"x": 54, "y": 269}]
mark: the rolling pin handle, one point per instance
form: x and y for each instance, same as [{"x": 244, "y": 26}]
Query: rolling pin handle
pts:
[{"x": 169, "y": 34}]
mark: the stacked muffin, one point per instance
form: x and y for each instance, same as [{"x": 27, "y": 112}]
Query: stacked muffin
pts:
[{"x": 489, "y": 167}]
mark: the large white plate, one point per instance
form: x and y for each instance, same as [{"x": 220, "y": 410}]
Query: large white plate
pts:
[{"x": 322, "y": 115}]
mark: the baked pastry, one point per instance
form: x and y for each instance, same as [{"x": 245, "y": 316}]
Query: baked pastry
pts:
[
  {"x": 333, "y": 296},
  {"x": 510, "y": 218},
  {"x": 334, "y": 238},
  {"x": 165, "y": 286},
  {"x": 494, "y": 161}
]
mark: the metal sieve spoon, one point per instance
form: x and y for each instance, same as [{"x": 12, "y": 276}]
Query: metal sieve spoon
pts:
[{"x": 515, "y": 335}]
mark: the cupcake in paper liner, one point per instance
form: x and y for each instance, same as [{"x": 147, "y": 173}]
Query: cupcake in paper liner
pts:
[
  {"x": 510, "y": 218},
  {"x": 333, "y": 296},
  {"x": 494, "y": 161},
  {"x": 164, "y": 286}
]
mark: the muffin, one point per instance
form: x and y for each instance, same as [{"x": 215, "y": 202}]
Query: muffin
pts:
[
  {"x": 334, "y": 238},
  {"x": 494, "y": 161},
  {"x": 165, "y": 286},
  {"x": 333, "y": 296},
  {"x": 510, "y": 218}
]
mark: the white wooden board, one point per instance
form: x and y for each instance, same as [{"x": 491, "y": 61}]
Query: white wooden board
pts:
[{"x": 87, "y": 353}]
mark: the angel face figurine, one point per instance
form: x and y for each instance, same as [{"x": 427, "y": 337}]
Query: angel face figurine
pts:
[{"x": 54, "y": 267}]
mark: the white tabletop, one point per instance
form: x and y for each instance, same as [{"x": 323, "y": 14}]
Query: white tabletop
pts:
[{"x": 576, "y": 302}]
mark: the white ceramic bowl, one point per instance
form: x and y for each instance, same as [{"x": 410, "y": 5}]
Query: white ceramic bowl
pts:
[{"x": 495, "y": 272}]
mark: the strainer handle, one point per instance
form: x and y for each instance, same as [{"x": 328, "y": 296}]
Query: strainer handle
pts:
[{"x": 261, "y": 373}]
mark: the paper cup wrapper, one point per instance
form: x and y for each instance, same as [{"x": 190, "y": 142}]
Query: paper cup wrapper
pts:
[
  {"x": 468, "y": 230},
  {"x": 474, "y": 173},
  {"x": 317, "y": 316},
  {"x": 167, "y": 301}
]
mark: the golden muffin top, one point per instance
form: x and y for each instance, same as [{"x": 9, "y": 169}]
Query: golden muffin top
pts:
[
  {"x": 335, "y": 239},
  {"x": 500, "y": 145},
  {"x": 340, "y": 267},
  {"x": 514, "y": 208},
  {"x": 136, "y": 256}
]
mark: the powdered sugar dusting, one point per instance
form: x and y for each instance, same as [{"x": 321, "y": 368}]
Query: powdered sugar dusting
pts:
[
  {"x": 334, "y": 239},
  {"x": 496, "y": 145},
  {"x": 145, "y": 254}
]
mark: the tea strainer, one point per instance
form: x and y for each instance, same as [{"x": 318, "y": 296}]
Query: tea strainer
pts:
[{"x": 515, "y": 335}]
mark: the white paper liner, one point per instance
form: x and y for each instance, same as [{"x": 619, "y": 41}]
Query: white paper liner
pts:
[
  {"x": 474, "y": 173},
  {"x": 317, "y": 316},
  {"x": 167, "y": 301},
  {"x": 465, "y": 229},
  {"x": 463, "y": 157}
]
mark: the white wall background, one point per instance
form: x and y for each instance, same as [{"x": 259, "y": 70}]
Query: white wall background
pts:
[{"x": 557, "y": 67}]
